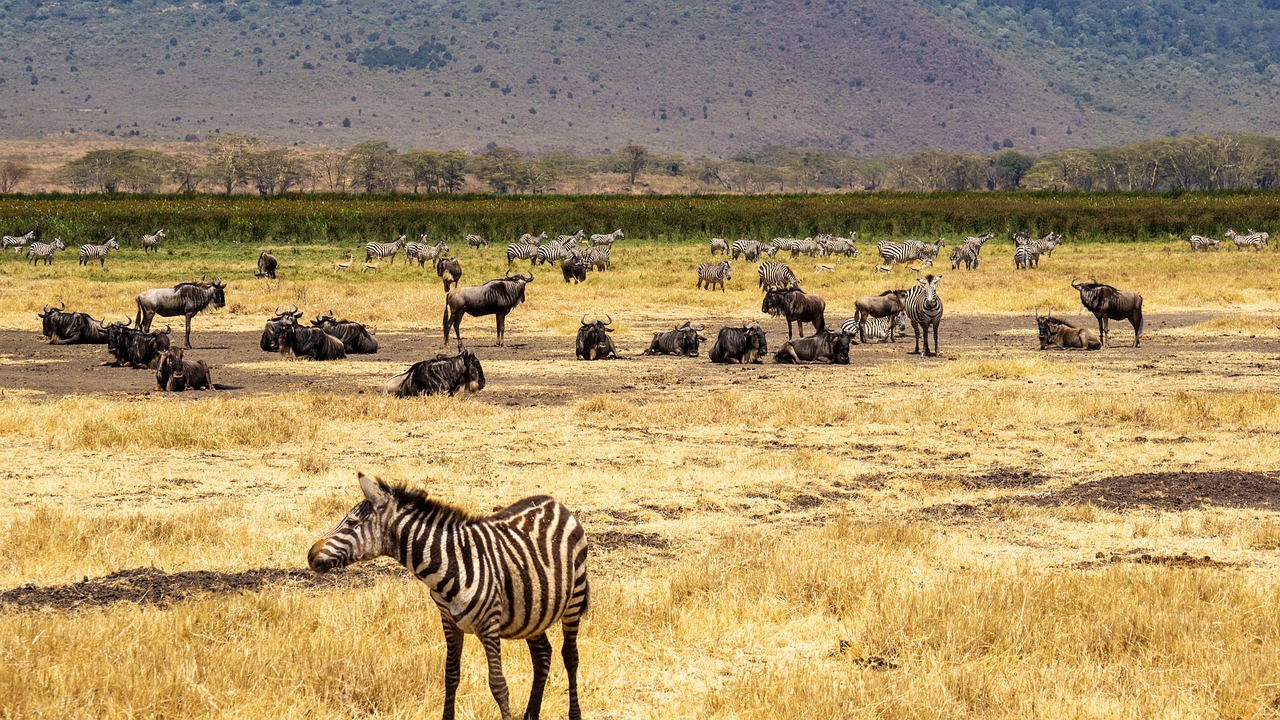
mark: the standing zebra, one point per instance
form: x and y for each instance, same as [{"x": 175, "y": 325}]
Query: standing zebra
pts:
[
  {"x": 152, "y": 242},
  {"x": 552, "y": 252},
  {"x": 598, "y": 257},
  {"x": 718, "y": 245},
  {"x": 38, "y": 251},
  {"x": 477, "y": 241},
  {"x": 521, "y": 251},
  {"x": 17, "y": 241},
  {"x": 98, "y": 252},
  {"x": 714, "y": 273},
  {"x": 607, "y": 238},
  {"x": 776, "y": 275},
  {"x": 903, "y": 252},
  {"x": 1254, "y": 240},
  {"x": 383, "y": 250},
  {"x": 1199, "y": 242},
  {"x": 1026, "y": 256},
  {"x": 924, "y": 309},
  {"x": 510, "y": 575},
  {"x": 423, "y": 252},
  {"x": 969, "y": 251}
]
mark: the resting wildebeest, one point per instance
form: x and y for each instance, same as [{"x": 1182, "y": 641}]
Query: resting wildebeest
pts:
[
  {"x": 310, "y": 343},
  {"x": 135, "y": 348},
  {"x": 442, "y": 375},
  {"x": 826, "y": 344},
  {"x": 266, "y": 266},
  {"x": 574, "y": 268},
  {"x": 1107, "y": 303},
  {"x": 594, "y": 342},
  {"x": 1057, "y": 333},
  {"x": 798, "y": 306},
  {"x": 886, "y": 304},
  {"x": 185, "y": 299},
  {"x": 496, "y": 297},
  {"x": 63, "y": 328},
  {"x": 744, "y": 345},
  {"x": 681, "y": 341},
  {"x": 270, "y": 340},
  {"x": 356, "y": 339},
  {"x": 175, "y": 374},
  {"x": 449, "y": 270}
]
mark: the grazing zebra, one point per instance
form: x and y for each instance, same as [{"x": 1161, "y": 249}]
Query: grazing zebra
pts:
[
  {"x": 884, "y": 329},
  {"x": 903, "y": 252},
  {"x": 98, "y": 252},
  {"x": 748, "y": 249},
  {"x": 718, "y": 245},
  {"x": 807, "y": 246},
  {"x": 477, "y": 241},
  {"x": 841, "y": 246},
  {"x": 383, "y": 250},
  {"x": 923, "y": 308},
  {"x": 1254, "y": 240},
  {"x": 509, "y": 575},
  {"x": 1199, "y": 242},
  {"x": 714, "y": 273},
  {"x": 607, "y": 238},
  {"x": 17, "y": 241},
  {"x": 534, "y": 240},
  {"x": 553, "y": 252},
  {"x": 1026, "y": 257},
  {"x": 776, "y": 275},
  {"x": 152, "y": 242},
  {"x": 598, "y": 257},
  {"x": 38, "y": 251},
  {"x": 521, "y": 251}
]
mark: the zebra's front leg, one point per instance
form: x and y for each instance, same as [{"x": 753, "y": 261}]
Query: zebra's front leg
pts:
[
  {"x": 452, "y": 665},
  {"x": 540, "y": 653},
  {"x": 935, "y": 338},
  {"x": 916, "y": 329},
  {"x": 497, "y": 683}
]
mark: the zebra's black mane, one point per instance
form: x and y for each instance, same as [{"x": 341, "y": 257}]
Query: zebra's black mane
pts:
[{"x": 407, "y": 497}]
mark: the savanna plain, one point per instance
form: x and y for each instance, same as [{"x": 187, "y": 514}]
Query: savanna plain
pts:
[{"x": 999, "y": 532}]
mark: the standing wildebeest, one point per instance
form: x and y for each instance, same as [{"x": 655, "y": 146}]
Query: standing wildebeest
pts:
[
  {"x": 98, "y": 252},
  {"x": 496, "y": 297},
  {"x": 356, "y": 339},
  {"x": 826, "y": 344},
  {"x": 574, "y": 268},
  {"x": 270, "y": 340},
  {"x": 309, "y": 342},
  {"x": 886, "y": 304},
  {"x": 1107, "y": 303},
  {"x": 266, "y": 266},
  {"x": 63, "y": 328},
  {"x": 594, "y": 342},
  {"x": 796, "y": 306},
  {"x": 175, "y": 374},
  {"x": 184, "y": 299},
  {"x": 681, "y": 341},
  {"x": 135, "y": 348},
  {"x": 924, "y": 309},
  {"x": 448, "y": 270},
  {"x": 1062, "y": 334},
  {"x": 443, "y": 375},
  {"x": 744, "y": 345}
]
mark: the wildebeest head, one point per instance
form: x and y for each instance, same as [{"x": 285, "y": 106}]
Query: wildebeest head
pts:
[
  {"x": 773, "y": 303},
  {"x": 270, "y": 341},
  {"x": 594, "y": 342}
]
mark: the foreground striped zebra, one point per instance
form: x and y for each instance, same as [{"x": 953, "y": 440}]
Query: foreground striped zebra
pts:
[
  {"x": 38, "y": 251},
  {"x": 509, "y": 575},
  {"x": 878, "y": 328},
  {"x": 383, "y": 250},
  {"x": 1025, "y": 257},
  {"x": 714, "y": 273},
  {"x": 1254, "y": 240},
  {"x": 776, "y": 275},
  {"x": 598, "y": 257},
  {"x": 152, "y": 242},
  {"x": 553, "y": 252},
  {"x": 17, "y": 241},
  {"x": 98, "y": 252},
  {"x": 1200, "y": 242},
  {"x": 923, "y": 308},
  {"x": 521, "y": 251}
]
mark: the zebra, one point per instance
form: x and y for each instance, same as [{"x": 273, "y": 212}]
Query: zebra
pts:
[
  {"x": 884, "y": 329},
  {"x": 152, "y": 242},
  {"x": 607, "y": 238},
  {"x": 534, "y": 240},
  {"x": 383, "y": 250},
  {"x": 923, "y": 308},
  {"x": 748, "y": 249},
  {"x": 477, "y": 241},
  {"x": 510, "y": 575},
  {"x": 718, "y": 245},
  {"x": 775, "y": 274},
  {"x": 1026, "y": 257},
  {"x": 521, "y": 251},
  {"x": 1046, "y": 244},
  {"x": 1254, "y": 239},
  {"x": 38, "y": 251},
  {"x": 17, "y": 241},
  {"x": 714, "y": 273},
  {"x": 569, "y": 240},
  {"x": 598, "y": 257},
  {"x": 423, "y": 252},
  {"x": 841, "y": 246},
  {"x": 807, "y": 246},
  {"x": 969, "y": 252},
  {"x": 98, "y": 252},
  {"x": 903, "y": 252},
  {"x": 1199, "y": 242},
  {"x": 553, "y": 252}
]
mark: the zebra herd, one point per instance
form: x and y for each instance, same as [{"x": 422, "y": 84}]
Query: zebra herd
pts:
[
  {"x": 38, "y": 252},
  {"x": 1252, "y": 239}
]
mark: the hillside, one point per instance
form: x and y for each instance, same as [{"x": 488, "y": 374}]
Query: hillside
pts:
[{"x": 870, "y": 76}]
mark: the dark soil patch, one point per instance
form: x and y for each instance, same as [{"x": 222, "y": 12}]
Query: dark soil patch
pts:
[
  {"x": 805, "y": 502},
  {"x": 1171, "y": 491},
  {"x": 1004, "y": 478},
  {"x": 1184, "y": 560},
  {"x": 618, "y": 539}
]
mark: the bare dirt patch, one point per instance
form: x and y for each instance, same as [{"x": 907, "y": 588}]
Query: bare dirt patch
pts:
[
  {"x": 1137, "y": 557},
  {"x": 1170, "y": 491}
]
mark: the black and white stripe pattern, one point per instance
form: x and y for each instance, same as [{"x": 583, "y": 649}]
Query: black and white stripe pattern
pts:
[
  {"x": 607, "y": 238},
  {"x": 521, "y": 251},
  {"x": 38, "y": 251},
  {"x": 776, "y": 275},
  {"x": 17, "y": 241},
  {"x": 384, "y": 250},
  {"x": 477, "y": 241},
  {"x": 553, "y": 252},
  {"x": 152, "y": 242},
  {"x": 1253, "y": 239},
  {"x": 1026, "y": 257},
  {"x": 903, "y": 252},
  {"x": 878, "y": 328},
  {"x": 598, "y": 257},
  {"x": 510, "y": 575},
  {"x": 530, "y": 239},
  {"x": 749, "y": 250},
  {"x": 807, "y": 246},
  {"x": 923, "y": 308},
  {"x": 98, "y": 252},
  {"x": 718, "y": 245},
  {"x": 1200, "y": 242},
  {"x": 423, "y": 252},
  {"x": 714, "y": 273}
]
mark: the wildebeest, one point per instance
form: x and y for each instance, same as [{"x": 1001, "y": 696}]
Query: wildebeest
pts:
[
  {"x": 184, "y": 299},
  {"x": 310, "y": 342},
  {"x": 796, "y": 306},
  {"x": 594, "y": 342},
  {"x": 1107, "y": 303},
  {"x": 681, "y": 341},
  {"x": 266, "y": 266},
  {"x": 826, "y": 344},
  {"x": 574, "y": 268},
  {"x": 744, "y": 345},
  {"x": 355, "y": 338},
  {"x": 1055, "y": 333},
  {"x": 496, "y": 297},
  {"x": 443, "y": 375},
  {"x": 134, "y": 347},
  {"x": 175, "y": 373},
  {"x": 63, "y": 328},
  {"x": 886, "y": 304},
  {"x": 270, "y": 340},
  {"x": 448, "y": 270}
]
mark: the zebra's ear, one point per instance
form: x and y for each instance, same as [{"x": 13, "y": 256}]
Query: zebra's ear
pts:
[{"x": 374, "y": 491}]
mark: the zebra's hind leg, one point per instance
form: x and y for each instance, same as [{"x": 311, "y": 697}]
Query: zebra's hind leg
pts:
[
  {"x": 915, "y": 327},
  {"x": 540, "y": 653},
  {"x": 497, "y": 683},
  {"x": 452, "y": 665}
]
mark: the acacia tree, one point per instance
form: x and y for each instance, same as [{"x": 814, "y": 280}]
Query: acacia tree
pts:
[
  {"x": 13, "y": 172},
  {"x": 633, "y": 161},
  {"x": 226, "y": 160},
  {"x": 185, "y": 172},
  {"x": 332, "y": 166},
  {"x": 376, "y": 166},
  {"x": 274, "y": 171},
  {"x": 112, "y": 171}
]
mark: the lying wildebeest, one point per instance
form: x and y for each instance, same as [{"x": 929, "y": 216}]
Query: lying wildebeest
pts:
[
  {"x": 744, "y": 345},
  {"x": 310, "y": 342},
  {"x": 574, "y": 268},
  {"x": 449, "y": 270},
  {"x": 594, "y": 342},
  {"x": 886, "y": 304},
  {"x": 798, "y": 306},
  {"x": 63, "y": 328},
  {"x": 1107, "y": 303},
  {"x": 826, "y": 344},
  {"x": 442, "y": 375},
  {"x": 266, "y": 266},
  {"x": 270, "y": 340},
  {"x": 175, "y": 373},
  {"x": 681, "y": 341},
  {"x": 1055, "y": 333},
  {"x": 356, "y": 339},
  {"x": 496, "y": 297},
  {"x": 135, "y": 348},
  {"x": 185, "y": 299}
]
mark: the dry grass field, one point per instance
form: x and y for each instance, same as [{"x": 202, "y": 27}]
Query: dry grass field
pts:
[{"x": 998, "y": 532}]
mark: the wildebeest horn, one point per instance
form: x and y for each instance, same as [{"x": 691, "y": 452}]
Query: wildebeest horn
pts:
[
  {"x": 1075, "y": 284},
  {"x": 278, "y": 313},
  {"x": 61, "y": 304},
  {"x": 609, "y": 321},
  {"x": 583, "y": 321},
  {"x": 698, "y": 328}
]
